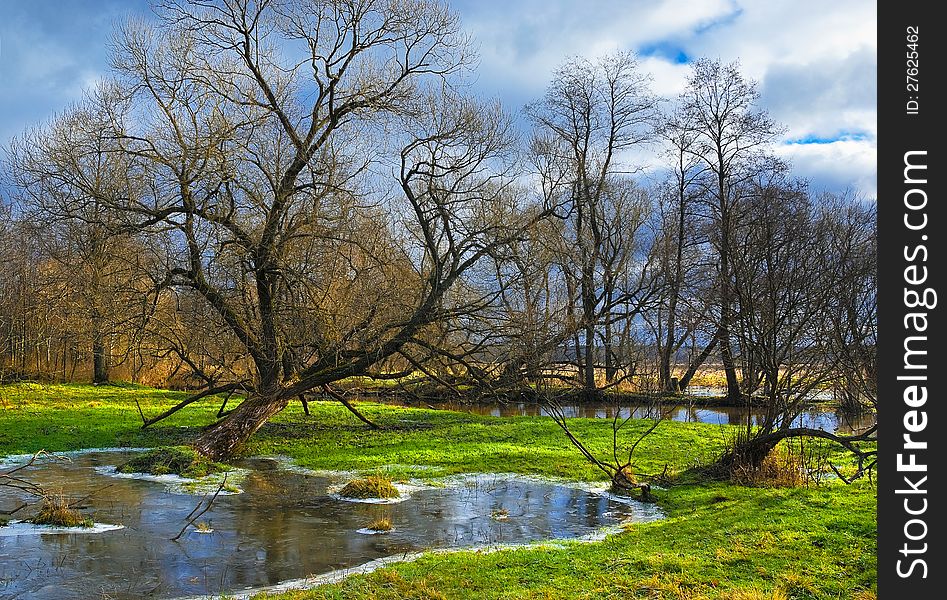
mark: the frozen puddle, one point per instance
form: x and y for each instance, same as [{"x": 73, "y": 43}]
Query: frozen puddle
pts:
[
  {"x": 184, "y": 485},
  {"x": 286, "y": 526}
]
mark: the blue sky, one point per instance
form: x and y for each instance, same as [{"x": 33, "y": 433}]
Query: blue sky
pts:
[{"x": 815, "y": 60}]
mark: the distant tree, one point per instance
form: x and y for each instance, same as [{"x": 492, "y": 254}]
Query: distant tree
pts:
[
  {"x": 67, "y": 175},
  {"x": 682, "y": 258},
  {"x": 728, "y": 135},
  {"x": 794, "y": 267},
  {"x": 853, "y": 310},
  {"x": 591, "y": 117}
]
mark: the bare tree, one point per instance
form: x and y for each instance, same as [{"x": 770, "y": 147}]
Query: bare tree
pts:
[
  {"x": 592, "y": 116},
  {"x": 729, "y": 136},
  {"x": 66, "y": 175},
  {"x": 265, "y": 133},
  {"x": 793, "y": 268},
  {"x": 853, "y": 310},
  {"x": 682, "y": 257}
]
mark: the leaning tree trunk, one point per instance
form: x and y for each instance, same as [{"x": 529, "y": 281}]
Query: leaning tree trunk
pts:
[
  {"x": 753, "y": 451},
  {"x": 222, "y": 439}
]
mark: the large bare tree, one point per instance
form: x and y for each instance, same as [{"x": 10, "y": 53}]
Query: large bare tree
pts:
[{"x": 314, "y": 179}]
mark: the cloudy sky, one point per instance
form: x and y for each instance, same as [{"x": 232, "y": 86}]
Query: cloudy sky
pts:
[{"x": 815, "y": 61}]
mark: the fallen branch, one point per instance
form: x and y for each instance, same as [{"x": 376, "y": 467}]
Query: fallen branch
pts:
[
  {"x": 12, "y": 480},
  {"x": 230, "y": 387},
  {"x": 194, "y": 515},
  {"x": 76, "y": 503},
  {"x": 18, "y": 508},
  {"x": 348, "y": 405}
]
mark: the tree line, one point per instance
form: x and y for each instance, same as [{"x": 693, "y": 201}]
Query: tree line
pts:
[{"x": 269, "y": 198}]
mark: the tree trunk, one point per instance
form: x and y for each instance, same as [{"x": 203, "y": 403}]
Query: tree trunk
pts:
[
  {"x": 729, "y": 368},
  {"x": 100, "y": 361},
  {"x": 588, "y": 374},
  {"x": 667, "y": 353},
  {"x": 611, "y": 365},
  {"x": 222, "y": 439},
  {"x": 726, "y": 307}
]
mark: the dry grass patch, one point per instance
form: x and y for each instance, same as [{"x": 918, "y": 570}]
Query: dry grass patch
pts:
[
  {"x": 56, "y": 511},
  {"x": 370, "y": 487},
  {"x": 382, "y": 524},
  {"x": 778, "y": 469}
]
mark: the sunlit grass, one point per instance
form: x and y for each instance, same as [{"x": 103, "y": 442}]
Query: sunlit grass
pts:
[{"x": 719, "y": 540}]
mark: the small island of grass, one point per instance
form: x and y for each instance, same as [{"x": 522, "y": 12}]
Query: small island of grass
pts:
[
  {"x": 380, "y": 525},
  {"x": 370, "y": 487},
  {"x": 56, "y": 512},
  {"x": 173, "y": 460}
]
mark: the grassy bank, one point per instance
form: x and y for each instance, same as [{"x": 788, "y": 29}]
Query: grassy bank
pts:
[{"x": 719, "y": 540}]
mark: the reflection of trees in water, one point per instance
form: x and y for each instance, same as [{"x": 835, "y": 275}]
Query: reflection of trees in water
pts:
[{"x": 826, "y": 419}]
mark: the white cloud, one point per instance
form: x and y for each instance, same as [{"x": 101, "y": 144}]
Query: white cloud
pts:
[
  {"x": 836, "y": 165},
  {"x": 521, "y": 43},
  {"x": 815, "y": 61}
]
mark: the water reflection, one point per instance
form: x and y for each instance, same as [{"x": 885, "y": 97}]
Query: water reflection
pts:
[
  {"x": 826, "y": 419},
  {"x": 284, "y": 526}
]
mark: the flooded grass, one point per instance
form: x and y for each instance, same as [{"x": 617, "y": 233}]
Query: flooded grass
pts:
[
  {"x": 370, "y": 487},
  {"x": 56, "y": 512},
  {"x": 382, "y": 524},
  {"x": 720, "y": 539},
  {"x": 172, "y": 460},
  {"x": 285, "y": 526},
  {"x": 203, "y": 527}
]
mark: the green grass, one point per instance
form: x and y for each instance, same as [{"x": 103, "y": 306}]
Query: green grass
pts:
[
  {"x": 59, "y": 417},
  {"x": 719, "y": 541},
  {"x": 175, "y": 460}
]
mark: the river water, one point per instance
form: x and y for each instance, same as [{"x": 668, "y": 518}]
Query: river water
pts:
[{"x": 817, "y": 417}]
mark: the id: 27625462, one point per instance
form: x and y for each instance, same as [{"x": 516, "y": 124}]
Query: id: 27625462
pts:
[{"x": 911, "y": 70}]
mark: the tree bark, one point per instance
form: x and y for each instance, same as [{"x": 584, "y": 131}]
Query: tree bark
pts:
[
  {"x": 726, "y": 308},
  {"x": 588, "y": 372},
  {"x": 100, "y": 361},
  {"x": 222, "y": 439},
  {"x": 696, "y": 364}
]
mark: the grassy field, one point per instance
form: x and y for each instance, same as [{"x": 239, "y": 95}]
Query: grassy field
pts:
[{"x": 719, "y": 541}]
